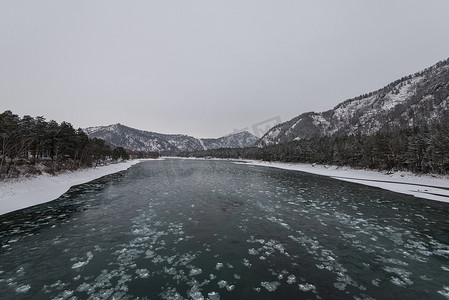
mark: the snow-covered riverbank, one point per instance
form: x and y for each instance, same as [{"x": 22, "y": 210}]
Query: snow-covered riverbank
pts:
[
  {"x": 430, "y": 187},
  {"x": 26, "y": 192}
]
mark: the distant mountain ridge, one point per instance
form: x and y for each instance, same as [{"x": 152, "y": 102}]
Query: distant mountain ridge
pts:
[
  {"x": 409, "y": 101},
  {"x": 118, "y": 135}
]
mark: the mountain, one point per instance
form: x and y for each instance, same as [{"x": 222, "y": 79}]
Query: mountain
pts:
[
  {"x": 119, "y": 135},
  {"x": 236, "y": 140},
  {"x": 409, "y": 101}
]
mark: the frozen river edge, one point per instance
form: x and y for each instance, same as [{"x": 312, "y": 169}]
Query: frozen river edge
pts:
[
  {"x": 27, "y": 192},
  {"x": 431, "y": 187}
]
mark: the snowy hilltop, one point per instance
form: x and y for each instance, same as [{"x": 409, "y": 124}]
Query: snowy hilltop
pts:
[
  {"x": 407, "y": 102},
  {"x": 119, "y": 135}
]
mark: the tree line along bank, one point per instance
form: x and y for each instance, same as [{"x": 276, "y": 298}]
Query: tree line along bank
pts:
[
  {"x": 31, "y": 145},
  {"x": 420, "y": 149}
]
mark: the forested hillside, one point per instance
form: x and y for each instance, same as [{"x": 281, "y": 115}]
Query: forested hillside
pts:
[
  {"x": 32, "y": 145},
  {"x": 422, "y": 148},
  {"x": 407, "y": 102}
]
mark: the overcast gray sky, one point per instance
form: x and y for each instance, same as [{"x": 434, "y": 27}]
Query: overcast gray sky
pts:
[{"x": 206, "y": 68}]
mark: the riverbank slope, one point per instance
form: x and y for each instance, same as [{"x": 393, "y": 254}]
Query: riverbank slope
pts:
[{"x": 25, "y": 192}]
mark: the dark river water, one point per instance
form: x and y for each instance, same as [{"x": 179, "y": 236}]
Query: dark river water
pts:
[{"x": 201, "y": 229}]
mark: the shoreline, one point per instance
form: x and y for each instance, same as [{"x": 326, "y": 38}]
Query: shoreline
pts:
[
  {"x": 431, "y": 187},
  {"x": 26, "y": 192}
]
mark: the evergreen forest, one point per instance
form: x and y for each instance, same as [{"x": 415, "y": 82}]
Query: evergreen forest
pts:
[
  {"x": 31, "y": 145},
  {"x": 420, "y": 149}
]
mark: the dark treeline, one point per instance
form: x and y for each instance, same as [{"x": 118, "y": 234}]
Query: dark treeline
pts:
[
  {"x": 421, "y": 149},
  {"x": 28, "y": 144}
]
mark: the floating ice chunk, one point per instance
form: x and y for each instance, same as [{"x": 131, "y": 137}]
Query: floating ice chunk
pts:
[
  {"x": 403, "y": 274},
  {"x": 393, "y": 261},
  {"x": 83, "y": 263},
  {"x": 65, "y": 295},
  {"x": 84, "y": 287},
  {"x": 212, "y": 276},
  {"x": 195, "y": 293},
  {"x": 170, "y": 271},
  {"x": 218, "y": 266},
  {"x": 262, "y": 258},
  {"x": 237, "y": 276},
  {"x": 230, "y": 288},
  {"x": 20, "y": 271},
  {"x": 158, "y": 259},
  {"x": 442, "y": 252},
  {"x": 340, "y": 285},
  {"x": 306, "y": 287},
  {"x": 143, "y": 273},
  {"x": 444, "y": 292},
  {"x": 291, "y": 279},
  {"x": 253, "y": 251},
  {"x": 213, "y": 296},
  {"x": 445, "y": 268},
  {"x": 194, "y": 272},
  {"x": 270, "y": 286},
  {"x": 170, "y": 294},
  {"x": 222, "y": 284},
  {"x": 23, "y": 289},
  {"x": 149, "y": 254},
  {"x": 397, "y": 281},
  {"x": 171, "y": 259},
  {"x": 246, "y": 263}
]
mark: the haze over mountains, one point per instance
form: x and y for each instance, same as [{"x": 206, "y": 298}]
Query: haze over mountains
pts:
[
  {"x": 409, "y": 101},
  {"x": 119, "y": 135}
]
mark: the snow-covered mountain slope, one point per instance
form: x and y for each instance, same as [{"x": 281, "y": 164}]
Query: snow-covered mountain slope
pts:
[
  {"x": 119, "y": 135},
  {"x": 411, "y": 100},
  {"x": 236, "y": 140}
]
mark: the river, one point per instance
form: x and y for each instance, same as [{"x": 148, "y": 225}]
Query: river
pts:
[{"x": 205, "y": 229}]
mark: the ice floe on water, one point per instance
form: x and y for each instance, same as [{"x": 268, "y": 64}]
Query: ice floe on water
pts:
[
  {"x": 291, "y": 279},
  {"x": 253, "y": 251},
  {"x": 270, "y": 286},
  {"x": 194, "y": 272},
  {"x": 222, "y": 284},
  {"x": 143, "y": 273},
  {"x": 23, "y": 288},
  {"x": 444, "y": 291},
  {"x": 83, "y": 263},
  {"x": 305, "y": 287},
  {"x": 213, "y": 296},
  {"x": 246, "y": 263},
  {"x": 402, "y": 276}
]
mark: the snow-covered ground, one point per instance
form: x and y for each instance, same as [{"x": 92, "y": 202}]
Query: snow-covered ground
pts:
[
  {"x": 430, "y": 187},
  {"x": 26, "y": 192}
]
